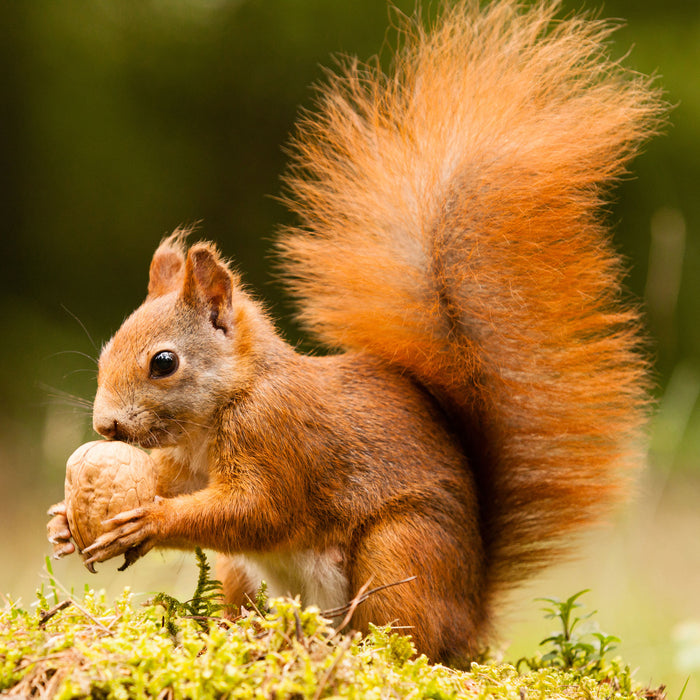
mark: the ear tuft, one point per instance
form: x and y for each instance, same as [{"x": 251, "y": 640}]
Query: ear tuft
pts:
[
  {"x": 209, "y": 284},
  {"x": 168, "y": 264}
]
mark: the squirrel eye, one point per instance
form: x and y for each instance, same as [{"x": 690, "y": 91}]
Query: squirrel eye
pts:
[{"x": 163, "y": 363}]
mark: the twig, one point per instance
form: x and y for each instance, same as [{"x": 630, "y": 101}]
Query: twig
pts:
[
  {"x": 46, "y": 616},
  {"x": 81, "y": 608},
  {"x": 254, "y": 606},
  {"x": 26, "y": 663},
  {"x": 114, "y": 621},
  {"x": 361, "y": 597},
  {"x": 297, "y": 627},
  {"x": 352, "y": 607},
  {"x": 92, "y": 617},
  {"x": 201, "y": 618}
]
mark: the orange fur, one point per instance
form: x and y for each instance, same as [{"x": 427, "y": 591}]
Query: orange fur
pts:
[
  {"x": 450, "y": 224},
  {"x": 491, "y": 393}
]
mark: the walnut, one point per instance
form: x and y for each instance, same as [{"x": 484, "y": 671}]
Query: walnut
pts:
[{"x": 104, "y": 479}]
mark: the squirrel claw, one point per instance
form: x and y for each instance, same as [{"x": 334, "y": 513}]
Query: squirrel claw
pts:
[
  {"x": 125, "y": 517},
  {"x": 57, "y": 509},
  {"x": 58, "y": 531},
  {"x": 61, "y": 547},
  {"x": 130, "y": 556},
  {"x": 129, "y": 533}
]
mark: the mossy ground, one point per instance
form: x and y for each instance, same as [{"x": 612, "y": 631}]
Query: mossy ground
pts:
[{"x": 89, "y": 647}]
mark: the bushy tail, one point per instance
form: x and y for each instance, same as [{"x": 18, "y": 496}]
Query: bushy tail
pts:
[{"x": 450, "y": 223}]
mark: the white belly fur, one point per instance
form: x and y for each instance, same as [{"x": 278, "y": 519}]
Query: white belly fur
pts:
[{"x": 316, "y": 577}]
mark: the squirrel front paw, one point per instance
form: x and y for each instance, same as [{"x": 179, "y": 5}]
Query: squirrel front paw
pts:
[
  {"x": 58, "y": 531},
  {"x": 132, "y": 533}
]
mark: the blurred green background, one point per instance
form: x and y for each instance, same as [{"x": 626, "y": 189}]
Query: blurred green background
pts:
[{"x": 123, "y": 118}]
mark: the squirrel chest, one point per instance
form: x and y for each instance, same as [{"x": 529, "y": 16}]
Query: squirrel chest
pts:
[{"x": 317, "y": 577}]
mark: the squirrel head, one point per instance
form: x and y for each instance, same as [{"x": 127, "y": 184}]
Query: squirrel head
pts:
[{"x": 181, "y": 354}]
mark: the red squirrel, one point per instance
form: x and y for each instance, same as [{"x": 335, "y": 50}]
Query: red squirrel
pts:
[{"x": 487, "y": 394}]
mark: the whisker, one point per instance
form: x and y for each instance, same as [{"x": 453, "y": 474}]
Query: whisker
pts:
[
  {"x": 79, "y": 371},
  {"x": 68, "y": 401},
  {"x": 183, "y": 422},
  {"x": 65, "y": 396},
  {"x": 73, "y": 352},
  {"x": 72, "y": 409},
  {"x": 82, "y": 325}
]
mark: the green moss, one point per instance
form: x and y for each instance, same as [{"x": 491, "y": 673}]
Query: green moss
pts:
[
  {"x": 86, "y": 647},
  {"x": 91, "y": 648}
]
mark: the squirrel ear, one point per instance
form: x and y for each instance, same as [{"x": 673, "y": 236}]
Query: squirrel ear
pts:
[
  {"x": 168, "y": 264},
  {"x": 209, "y": 284}
]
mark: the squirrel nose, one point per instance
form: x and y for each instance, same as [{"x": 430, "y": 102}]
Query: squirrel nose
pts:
[{"x": 108, "y": 428}]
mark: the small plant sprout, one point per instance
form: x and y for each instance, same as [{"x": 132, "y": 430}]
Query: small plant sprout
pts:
[{"x": 570, "y": 647}]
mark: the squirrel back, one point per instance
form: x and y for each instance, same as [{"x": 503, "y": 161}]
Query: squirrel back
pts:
[{"x": 450, "y": 224}]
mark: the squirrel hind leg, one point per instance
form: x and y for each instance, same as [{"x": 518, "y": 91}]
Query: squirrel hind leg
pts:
[
  {"x": 238, "y": 586},
  {"x": 441, "y": 609}
]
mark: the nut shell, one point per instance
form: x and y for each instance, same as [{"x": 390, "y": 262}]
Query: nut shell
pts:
[{"x": 103, "y": 479}]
